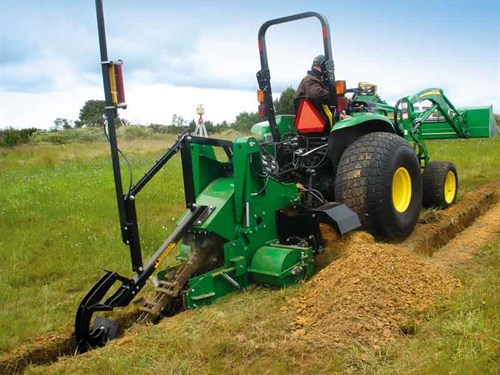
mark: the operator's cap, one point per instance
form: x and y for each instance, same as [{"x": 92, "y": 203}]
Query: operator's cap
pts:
[{"x": 318, "y": 60}]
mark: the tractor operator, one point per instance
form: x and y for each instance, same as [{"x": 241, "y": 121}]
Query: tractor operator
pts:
[{"x": 312, "y": 87}]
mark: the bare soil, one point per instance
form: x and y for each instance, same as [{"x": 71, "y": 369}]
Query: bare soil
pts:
[
  {"x": 468, "y": 242},
  {"x": 42, "y": 350},
  {"x": 436, "y": 228}
]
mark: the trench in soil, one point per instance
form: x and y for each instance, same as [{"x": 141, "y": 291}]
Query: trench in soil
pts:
[
  {"x": 48, "y": 349},
  {"x": 434, "y": 230}
]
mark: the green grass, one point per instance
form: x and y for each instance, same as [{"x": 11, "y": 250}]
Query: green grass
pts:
[
  {"x": 59, "y": 226},
  {"x": 477, "y": 160}
]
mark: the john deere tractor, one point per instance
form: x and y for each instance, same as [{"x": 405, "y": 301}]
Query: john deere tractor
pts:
[{"x": 254, "y": 215}]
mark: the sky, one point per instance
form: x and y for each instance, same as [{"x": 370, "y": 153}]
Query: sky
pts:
[{"x": 179, "y": 54}]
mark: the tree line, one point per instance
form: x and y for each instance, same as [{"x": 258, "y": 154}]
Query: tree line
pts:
[{"x": 93, "y": 114}]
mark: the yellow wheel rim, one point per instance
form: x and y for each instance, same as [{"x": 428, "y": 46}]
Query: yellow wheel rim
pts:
[
  {"x": 401, "y": 189},
  {"x": 450, "y": 187}
]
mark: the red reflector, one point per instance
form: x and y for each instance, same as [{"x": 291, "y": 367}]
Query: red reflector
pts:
[
  {"x": 325, "y": 32},
  {"x": 262, "y": 110},
  {"x": 341, "y": 103},
  {"x": 119, "y": 84},
  {"x": 308, "y": 119},
  {"x": 261, "y": 45}
]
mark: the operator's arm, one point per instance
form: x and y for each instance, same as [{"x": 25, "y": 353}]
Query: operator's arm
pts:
[{"x": 316, "y": 91}]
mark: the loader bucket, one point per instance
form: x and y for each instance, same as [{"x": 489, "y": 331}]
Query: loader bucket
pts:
[{"x": 479, "y": 123}]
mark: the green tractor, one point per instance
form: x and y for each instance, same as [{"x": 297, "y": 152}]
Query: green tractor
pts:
[
  {"x": 254, "y": 206},
  {"x": 372, "y": 160}
]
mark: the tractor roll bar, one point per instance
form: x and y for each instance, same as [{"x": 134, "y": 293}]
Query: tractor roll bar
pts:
[
  {"x": 264, "y": 76},
  {"x": 327, "y": 43}
]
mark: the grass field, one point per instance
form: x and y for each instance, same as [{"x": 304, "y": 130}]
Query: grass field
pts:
[{"x": 59, "y": 226}]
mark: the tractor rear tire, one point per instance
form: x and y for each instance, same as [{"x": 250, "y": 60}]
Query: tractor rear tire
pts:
[
  {"x": 379, "y": 178},
  {"x": 440, "y": 180}
]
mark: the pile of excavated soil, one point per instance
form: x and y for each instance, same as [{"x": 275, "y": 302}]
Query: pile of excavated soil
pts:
[{"x": 369, "y": 296}]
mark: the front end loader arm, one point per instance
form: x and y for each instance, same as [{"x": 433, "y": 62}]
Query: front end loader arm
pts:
[
  {"x": 441, "y": 104},
  {"x": 408, "y": 121}
]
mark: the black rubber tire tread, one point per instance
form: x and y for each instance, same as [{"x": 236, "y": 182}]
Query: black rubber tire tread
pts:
[
  {"x": 364, "y": 183},
  {"x": 433, "y": 180}
]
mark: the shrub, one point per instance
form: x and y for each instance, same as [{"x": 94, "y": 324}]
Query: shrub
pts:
[
  {"x": 11, "y": 137},
  {"x": 83, "y": 135},
  {"x": 135, "y": 132}
]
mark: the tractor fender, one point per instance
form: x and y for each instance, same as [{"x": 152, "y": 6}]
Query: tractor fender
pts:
[
  {"x": 346, "y": 131},
  {"x": 364, "y": 118}
]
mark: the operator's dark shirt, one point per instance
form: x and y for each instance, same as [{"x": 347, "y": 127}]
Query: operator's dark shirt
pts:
[{"x": 311, "y": 87}]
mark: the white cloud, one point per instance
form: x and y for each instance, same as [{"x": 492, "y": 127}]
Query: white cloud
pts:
[{"x": 45, "y": 74}]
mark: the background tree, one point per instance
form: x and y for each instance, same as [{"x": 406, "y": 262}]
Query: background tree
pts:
[
  {"x": 178, "y": 120},
  {"x": 284, "y": 104},
  {"x": 245, "y": 121},
  {"x": 122, "y": 122},
  {"x": 62, "y": 123},
  {"x": 92, "y": 114},
  {"x": 223, "y": 126},
  {"x": 192, "y": 126},
  {"x": 12, "y": 137},
  {"x": 209, "y": 125}
]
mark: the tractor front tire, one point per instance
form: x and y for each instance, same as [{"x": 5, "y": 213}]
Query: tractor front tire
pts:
[
  {"x": 440, "y": 180},
  {"x": 379, "y": 178}
]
